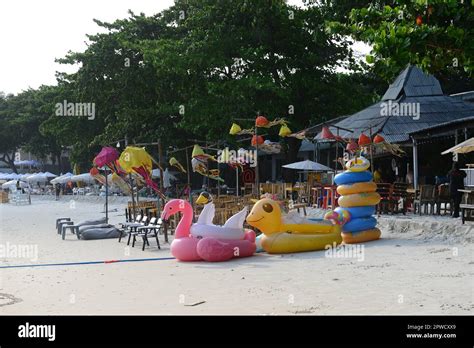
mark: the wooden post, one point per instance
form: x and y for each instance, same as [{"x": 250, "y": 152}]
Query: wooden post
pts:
[
  {"x": 415, "y": 163},
  {"x": 257, "y": 178},
  {"x": 131, "y": 186}
]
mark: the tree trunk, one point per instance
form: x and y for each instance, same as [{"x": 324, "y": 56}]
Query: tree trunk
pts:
[{"x": 10, "y": 160}]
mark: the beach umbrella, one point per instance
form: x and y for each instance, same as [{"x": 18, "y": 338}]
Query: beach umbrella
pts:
[
  {"x": 12, "y": 184},
  {"x": 39, "y": 177},
  {"x": 50, "y": 175},
  {"x": 464, "y": 147},
  {"x": 85, "y": 178},
  {"x": 309, "y": 166},
  {"x": 62, "y": 179}
]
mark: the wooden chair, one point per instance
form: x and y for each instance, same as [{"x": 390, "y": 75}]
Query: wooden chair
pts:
[
  {"x": 425, "y": 198},
  {"x": 386, "y": 202},
  {"x": 443, "y": 197}
]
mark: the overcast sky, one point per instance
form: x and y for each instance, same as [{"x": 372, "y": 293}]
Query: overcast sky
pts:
[{"x": 35, "y": 32}]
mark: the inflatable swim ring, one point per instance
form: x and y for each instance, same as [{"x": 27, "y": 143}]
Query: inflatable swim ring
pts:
[
  {"x": 283, "y": 243},
  {"x": 358, "y": 212},
  {"x": 282, "y": 234},
  {"x": 349, "y": 177},
  {"x": 361, "y": 237},
  {"x": 360, "y": 224},
  {"x": 358, "y": 187},
  {"x": 359, "y": 199},
  {"x": 358, "y": 164},
  {"x": 186, "y": 247}
]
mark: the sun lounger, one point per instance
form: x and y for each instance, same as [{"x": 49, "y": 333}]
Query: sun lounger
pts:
[
  {"x": 75, "y": 227},
  {"x": 59, "y": 222}
]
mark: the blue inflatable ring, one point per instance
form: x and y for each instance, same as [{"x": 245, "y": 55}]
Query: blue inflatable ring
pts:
[
  {"x": 360, "y": 224},
  {"x": 349, "y": 177},
  {"x": 358, "y": 212}
]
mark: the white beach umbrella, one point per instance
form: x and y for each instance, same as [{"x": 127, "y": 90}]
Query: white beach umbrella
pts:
[
  {"x": 464, "y": 147},
  {"x": 62, "y": 179},
  {"x": 50, "y": 175},
  {"x": 309, "y": 166},
  {"x": 39, "y": 177},
  {"x": 12, "y": 184},
  {"x": 85, "y": 178}
]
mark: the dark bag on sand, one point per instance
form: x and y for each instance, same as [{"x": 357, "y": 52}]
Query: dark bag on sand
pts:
[{"x": 100, "y": 233}]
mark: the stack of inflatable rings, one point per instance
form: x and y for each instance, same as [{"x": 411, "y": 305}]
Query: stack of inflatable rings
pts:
[{"x": 359, "y": 198}]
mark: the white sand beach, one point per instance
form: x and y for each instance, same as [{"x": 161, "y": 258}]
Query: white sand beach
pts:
[{"x": 420, "y": 266}]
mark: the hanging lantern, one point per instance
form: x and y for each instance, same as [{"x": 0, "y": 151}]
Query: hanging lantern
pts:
[
  {"x": 94, "y": 171},
  {"x": 261, "y": 121},
  {"x": 326, "y": 133},
  {"x": 234, "y": 129},
  {"x": 364, "y": 140},
  {"x": 352, "y": 146},
  {"x": 257, "y": 140},
  {"x": 284, "y": 131},
  {"x": 419, "y": 20},
  {"x": 378, "y": 139}
]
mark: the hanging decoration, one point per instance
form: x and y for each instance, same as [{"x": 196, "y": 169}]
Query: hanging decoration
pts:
[
  {"x": 199, "y": 163},
  {"x": 175, "y": 163},
  {"x": 137, "y": 160}
]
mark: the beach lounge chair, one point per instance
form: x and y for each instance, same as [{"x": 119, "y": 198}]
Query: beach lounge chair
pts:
[
  {"x": 152, "y": 229},
  {"x": 75, "y": 227},
  {"x": 59, "y": 222}
]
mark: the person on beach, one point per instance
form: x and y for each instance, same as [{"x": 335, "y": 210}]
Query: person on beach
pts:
[
  {"x": 456, "y": 182},
  {"x": 57, "y": 187}
]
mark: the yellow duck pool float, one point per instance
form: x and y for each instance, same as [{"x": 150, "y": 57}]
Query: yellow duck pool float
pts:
[{"x": 290, "y": 233}]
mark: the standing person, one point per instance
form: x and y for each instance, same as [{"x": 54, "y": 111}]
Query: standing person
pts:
[
  {"x": 18, "y": 186},
  {"x": 57, "y": 187},
  {"x": 456, "y": 182}
]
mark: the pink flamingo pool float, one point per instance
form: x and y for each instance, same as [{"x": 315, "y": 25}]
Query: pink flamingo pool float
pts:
[{"x": 204, "y": 240}]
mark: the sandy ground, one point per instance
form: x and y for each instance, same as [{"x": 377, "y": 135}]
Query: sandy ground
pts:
[{"x": 421, "y": 266}]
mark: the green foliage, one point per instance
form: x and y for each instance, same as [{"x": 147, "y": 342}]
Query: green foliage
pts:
[{"x": 436, "y": 36}]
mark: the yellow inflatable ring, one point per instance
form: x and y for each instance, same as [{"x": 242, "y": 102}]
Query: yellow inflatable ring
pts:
[
  {"x": 359, "y": 200},
  {"x": 361, "y": 237},
  {"x": 358, "y": 164},
  {"x": 358, "y": 187},
  {"x": 283, "y": 243}
]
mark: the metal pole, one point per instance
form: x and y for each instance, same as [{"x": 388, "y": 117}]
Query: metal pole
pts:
[
  {"x": 106, "y": 196},
  {"x": 415, "y": 163},
  {"x": 131, "y": 186},
  {"x": 237, "y": 181}
]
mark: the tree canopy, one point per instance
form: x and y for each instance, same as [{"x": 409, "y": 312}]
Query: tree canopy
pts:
[{"x": 187, "y": 71}]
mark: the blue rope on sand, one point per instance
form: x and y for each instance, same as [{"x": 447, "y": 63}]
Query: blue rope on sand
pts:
[{"x": 89, "y": 262}]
